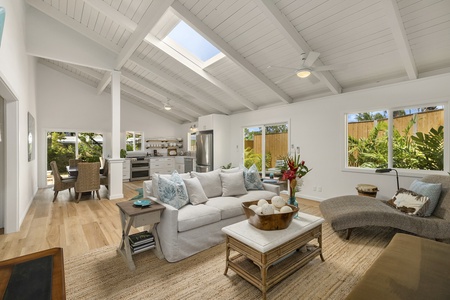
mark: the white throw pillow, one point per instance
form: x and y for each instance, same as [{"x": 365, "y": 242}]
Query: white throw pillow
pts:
[
  {"x": 172, "y": 190},
  {"x": 232, "y": 184},
  {"x": 410, "y": 202},
  {"x": 210, "y": 182},
  {"x": 195, "y": 191},
  {"x": 252, "y": 179}
]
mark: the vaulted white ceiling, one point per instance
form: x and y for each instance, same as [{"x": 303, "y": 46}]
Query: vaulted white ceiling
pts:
[{"x": 379, "y": 42}]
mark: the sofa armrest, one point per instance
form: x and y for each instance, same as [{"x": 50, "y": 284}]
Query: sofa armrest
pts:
[
  {"x": 167, "y": 229},
  {"x": 147, "y": 188},
  {"x": 272, "y": 188}
]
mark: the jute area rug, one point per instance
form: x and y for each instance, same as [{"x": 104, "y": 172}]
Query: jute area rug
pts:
[{"x": 102, "y": 274}]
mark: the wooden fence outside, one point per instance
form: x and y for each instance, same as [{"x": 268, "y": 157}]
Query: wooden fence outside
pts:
[
  {"x": 424, "y": 122},
  {"x": 276, "y": 145}
]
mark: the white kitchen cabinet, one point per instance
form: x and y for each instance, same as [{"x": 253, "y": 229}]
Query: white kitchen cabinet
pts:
[
  {"x": 205, "y": 122},
  {"x": 162, "y": 165},
  {"x": 126, "y": 171},
  {"x": 179, "y": 164}
]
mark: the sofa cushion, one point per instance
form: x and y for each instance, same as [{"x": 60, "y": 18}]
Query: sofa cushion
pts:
[
  {"x": 172, "y": 191},
  {"x": 195, "y": 191},
  {"x": 229, "y": 206},
  {"x": 210, "y": 182},
  {"x": 232, "y": 184},
  {"x": 231, "y": 170},
  {"x": 190, "y": 216},
  {"x": 409, "y": 202},
  {"x": 431, "y": 190},
  {"x": 252, "y": 178},
  {"x": 155, "y": 179},
  {"x": 256, "y": 195}
]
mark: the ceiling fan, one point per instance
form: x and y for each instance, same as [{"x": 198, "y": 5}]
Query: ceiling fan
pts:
[{"x": 306, "y": 68}]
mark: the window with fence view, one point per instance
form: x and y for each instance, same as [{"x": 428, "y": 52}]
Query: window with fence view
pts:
[
  {"x": 417, "y": 139},
  {"x": 264, "y": 145}
]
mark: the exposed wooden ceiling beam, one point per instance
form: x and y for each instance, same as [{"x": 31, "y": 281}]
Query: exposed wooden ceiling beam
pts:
[
  {"x": 199, "y": 71},
  {"x": 113, "y": 14},
  {"x": 186, "y": 106},
  {"x": 149, "y": 19},
  {"x": 180, "y": 85},
  {"x": 400, "y": 37},
  {"x": 296, "y": 40},
  {"x": 157, "y": 104},
  {"x": 232, "y": 54},
  {"x": 71, "y": 23}
]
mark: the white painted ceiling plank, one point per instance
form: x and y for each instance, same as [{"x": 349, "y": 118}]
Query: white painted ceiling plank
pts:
[
  {"x": 194, "y": 22},
  {"x": 136, "y": 102},
  {"x": 296, "y": 40},
  {"x": 180, "y": 85},
  {"x": 398, "y": 31},
  {"x": 71, "y": 23},
  {"x": 199, "y": 71},
  {"x": 148, "y": 85},
  {"x": 158, "y": 105},
  {"x": 113, "y": 14},
  {"x": 151, "y": 16}
]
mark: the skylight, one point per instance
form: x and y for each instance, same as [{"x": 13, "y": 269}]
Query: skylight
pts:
[{"x": 191, "y": 41}]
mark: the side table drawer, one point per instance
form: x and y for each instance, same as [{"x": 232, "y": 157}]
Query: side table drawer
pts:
[{"x": 146, "y": 219}]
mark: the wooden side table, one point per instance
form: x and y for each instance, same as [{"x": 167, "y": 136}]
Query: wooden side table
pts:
[
  {"x": 138, "y": 217},
  {"x": 38, "y": 275}
]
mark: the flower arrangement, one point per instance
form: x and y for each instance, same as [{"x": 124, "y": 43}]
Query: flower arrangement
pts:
[{"x": 296, "y": 168}]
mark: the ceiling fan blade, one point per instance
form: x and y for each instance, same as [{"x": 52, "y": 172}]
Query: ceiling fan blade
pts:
[
  {"x": 330, "y": 67},
  {"x": 282, "y": 68},
  {"x": 313, "y": 78},
  {"x": 311, "y": 58},
  {"x": 284, "y": 78}
]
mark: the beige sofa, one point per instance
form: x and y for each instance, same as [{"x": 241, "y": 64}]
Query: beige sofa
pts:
[{"x": 192, "y": 228}]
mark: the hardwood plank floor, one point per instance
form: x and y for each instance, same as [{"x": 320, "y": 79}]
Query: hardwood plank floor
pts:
[{"x": 76, "y": 227}]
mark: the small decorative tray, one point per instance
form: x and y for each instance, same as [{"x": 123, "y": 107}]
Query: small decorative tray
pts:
[{"x": 142, "y": 203}]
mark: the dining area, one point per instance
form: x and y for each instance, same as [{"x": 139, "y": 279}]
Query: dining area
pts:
[{"x": 85, "y": 178}]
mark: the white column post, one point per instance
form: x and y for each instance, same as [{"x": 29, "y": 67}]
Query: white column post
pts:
[{"x": 115, "y": 190}]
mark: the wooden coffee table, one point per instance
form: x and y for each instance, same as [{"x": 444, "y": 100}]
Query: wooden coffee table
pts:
[{"x": 260, "y": 253}]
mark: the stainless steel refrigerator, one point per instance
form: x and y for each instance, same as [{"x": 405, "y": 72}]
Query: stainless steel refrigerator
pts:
[{"x": 205, "y": 155}]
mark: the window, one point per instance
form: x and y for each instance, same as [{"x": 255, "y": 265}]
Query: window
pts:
[
  {"x": 134, "y": 141},
  {"x": 62, "y": 146},
  {"x": 417, "y": 141},
  {"x": 192, "y": 45},
  {"x": 272, "y": 140}
]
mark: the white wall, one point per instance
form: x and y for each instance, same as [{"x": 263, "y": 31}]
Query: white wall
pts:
[
  {"x": 67, "y": 104},
  {"x": 17, "y": 71},
  {"x": 318, "y": 126}
]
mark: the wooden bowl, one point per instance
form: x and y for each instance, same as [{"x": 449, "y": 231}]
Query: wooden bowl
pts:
[{"x": 268, "y": 222}]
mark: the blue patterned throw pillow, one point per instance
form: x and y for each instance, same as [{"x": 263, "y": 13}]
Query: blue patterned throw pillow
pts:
[
  {"x": 173, "y": 191},
  {"x": 252, "y": 179}
]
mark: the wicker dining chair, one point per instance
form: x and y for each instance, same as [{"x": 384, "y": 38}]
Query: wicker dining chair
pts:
[
  {"x": 104, "y": 175},
  {"x": 73, "y": 162},
  {"x": 88, "y": 179},
  {"x": 59, "y": 183}
]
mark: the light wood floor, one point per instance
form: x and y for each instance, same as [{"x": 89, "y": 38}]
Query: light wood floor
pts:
[{"x": 76, "y": 227}]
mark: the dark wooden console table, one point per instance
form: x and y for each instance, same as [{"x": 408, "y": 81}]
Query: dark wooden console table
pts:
[{"x": 34, "y": 276}]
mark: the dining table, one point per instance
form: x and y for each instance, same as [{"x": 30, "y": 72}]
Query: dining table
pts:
[{"x": 73, "y": 171}]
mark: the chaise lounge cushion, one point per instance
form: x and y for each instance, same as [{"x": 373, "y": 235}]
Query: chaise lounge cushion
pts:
[
  {"x": 191, "y": 216},
  {"x": 431, "y": 190}
]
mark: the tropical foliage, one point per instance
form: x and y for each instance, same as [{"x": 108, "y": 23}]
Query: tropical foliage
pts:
[
  {"x": 423, "y": 151},
  {"x": 250, "y": 158}
]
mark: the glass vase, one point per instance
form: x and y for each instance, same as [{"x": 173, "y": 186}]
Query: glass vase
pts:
[{"x": 293, "y": 201}]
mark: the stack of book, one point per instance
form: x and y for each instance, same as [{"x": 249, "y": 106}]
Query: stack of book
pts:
[{"x": 141, "y": 241}]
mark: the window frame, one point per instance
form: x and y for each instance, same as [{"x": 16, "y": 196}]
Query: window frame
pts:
[
  {"x": 134, "y": 140},
  {"x": 390, "y": 110}
]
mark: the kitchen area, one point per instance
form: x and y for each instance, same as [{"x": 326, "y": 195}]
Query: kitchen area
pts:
[{"x": 162, "y": 155}]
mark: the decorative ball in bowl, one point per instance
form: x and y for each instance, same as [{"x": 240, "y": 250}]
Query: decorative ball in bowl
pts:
[{"x": 265, "y": 220}]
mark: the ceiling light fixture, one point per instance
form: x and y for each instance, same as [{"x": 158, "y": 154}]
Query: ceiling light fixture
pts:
[
  {"x": 167, "y": 106},
  {"x": 303, "y": 73}
]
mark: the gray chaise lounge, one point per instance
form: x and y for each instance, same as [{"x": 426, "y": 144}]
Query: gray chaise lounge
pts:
[{"x": 348, "y": 212}]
